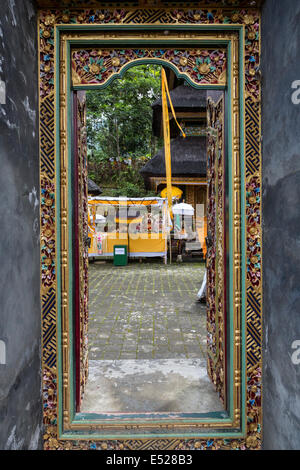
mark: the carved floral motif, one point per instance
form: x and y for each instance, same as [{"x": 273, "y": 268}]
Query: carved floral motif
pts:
[
  {"x": 47, "y": 232},
  {"x": 50, "y": 403},
  {"x": 253, "y": 232},
  {"x": 116, "y": 16},
  {"x": 83, "y": 234},
  {"x": 215, "y": 251},
  {"x": 96, "y": 66}
]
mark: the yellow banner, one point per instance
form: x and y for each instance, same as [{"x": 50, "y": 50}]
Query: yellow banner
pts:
[
  {"x": 125, "y": 202},
  {"x": 166, "y": 127}
]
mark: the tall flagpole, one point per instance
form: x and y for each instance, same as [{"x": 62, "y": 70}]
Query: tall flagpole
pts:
[
  {"x": 166, "y": 127},
  {"x": 167, "y": 144}
]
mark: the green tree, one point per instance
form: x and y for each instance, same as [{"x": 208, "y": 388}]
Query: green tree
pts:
[{"x": 119, "y": 128}]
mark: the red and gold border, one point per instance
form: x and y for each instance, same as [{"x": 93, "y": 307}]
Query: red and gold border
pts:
[{"x": 251, "y": 20}]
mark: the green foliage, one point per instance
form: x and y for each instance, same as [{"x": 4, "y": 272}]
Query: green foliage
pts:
[
  {"x": 119, "y": 129},
  {"x": 131, "y": 184}
]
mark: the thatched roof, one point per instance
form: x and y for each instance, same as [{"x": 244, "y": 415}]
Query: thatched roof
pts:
[
  {"x": 185, "y": 99},
  {"x": 188, "y": 157},
  {"x": 93, "y": 188}
]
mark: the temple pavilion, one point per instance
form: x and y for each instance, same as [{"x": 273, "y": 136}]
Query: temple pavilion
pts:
[
  {"x": 93, "y": 188},
  {"x": 188, "y": 155}
]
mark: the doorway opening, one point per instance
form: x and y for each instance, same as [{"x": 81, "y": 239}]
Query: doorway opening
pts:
[{"x": 148, "y": 338}]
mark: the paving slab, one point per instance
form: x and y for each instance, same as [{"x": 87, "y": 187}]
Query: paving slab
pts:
[
  {"x": 146, "y": 308},
  {"x": 160, "y": 385}
]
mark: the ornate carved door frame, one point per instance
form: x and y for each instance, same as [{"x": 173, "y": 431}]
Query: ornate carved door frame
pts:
[
  {"x": 242, "y": 427},
  {"x": 216, "y": 243},
  {"x": 80, "y": 233}
]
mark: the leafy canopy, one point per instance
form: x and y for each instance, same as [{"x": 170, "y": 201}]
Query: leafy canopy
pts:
[{"x": 119, "y": 128}]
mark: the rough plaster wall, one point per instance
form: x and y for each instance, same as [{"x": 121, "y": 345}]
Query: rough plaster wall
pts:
[
  {"x": 20, "y": 381},
  {"x": 281, "y": 222}
]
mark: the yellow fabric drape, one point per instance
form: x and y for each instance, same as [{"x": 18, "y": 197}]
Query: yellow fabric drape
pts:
[
  {"x": 127, "y": 202},
  {"x": 176, "y": 192},
  {"x": 166, "y": 127}
]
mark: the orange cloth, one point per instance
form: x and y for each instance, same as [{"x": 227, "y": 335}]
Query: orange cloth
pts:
[
  {"x": 202, "y": 234},
  {"x": 143, "y": 244},
  {"x": 146, "y": 244}
]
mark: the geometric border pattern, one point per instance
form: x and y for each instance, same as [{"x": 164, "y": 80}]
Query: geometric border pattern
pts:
[
  {"x": 47, "y": 136},
  {"x": 254, "y": 327},
  {"x": 252, "y": 136},
  {"x": 49, "y": 329}
]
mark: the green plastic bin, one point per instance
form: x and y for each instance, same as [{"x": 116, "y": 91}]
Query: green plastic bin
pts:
[{"x": 120, "y": 255}]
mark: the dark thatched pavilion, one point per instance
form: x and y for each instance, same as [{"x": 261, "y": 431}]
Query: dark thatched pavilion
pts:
[
  {"x": 188, "y": 156},
  {"x": 190, "y": 107},
  {"x": 93, "y": 188}
]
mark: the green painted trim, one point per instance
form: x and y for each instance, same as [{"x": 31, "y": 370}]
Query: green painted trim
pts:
[
  {"x": 230, "y": 222},
  {"x": 155, "y": 418},
  {"x": 157, "y": 61},
  {"x": 69, "y": 108},
  {"x": 147, "y": 27},
  {"x": 149, "y": 42},
  {"x": 58, "y": 235},
  {"x": 138, "y": 62},
  {"x": 208, "y": 416},
  {"x": 213, "y": 435},
  {"x": 243, "y": 225},
  {"x": 101, "y": 87}
]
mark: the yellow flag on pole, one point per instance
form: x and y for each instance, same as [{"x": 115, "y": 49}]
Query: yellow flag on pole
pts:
[{"x": 166, "y": 127}]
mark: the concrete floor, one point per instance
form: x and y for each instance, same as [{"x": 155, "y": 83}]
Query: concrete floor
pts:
[
  {"x": 159, "y": 385},
  {"x": 147, "y": 340}
]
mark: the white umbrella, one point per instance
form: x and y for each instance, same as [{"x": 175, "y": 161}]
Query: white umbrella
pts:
[
  {"x": 100, "y": 218},
  {"x": 183, "y": 209}
]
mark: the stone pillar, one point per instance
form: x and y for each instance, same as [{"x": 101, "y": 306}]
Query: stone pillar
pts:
[{"x": 20, "y": 317}]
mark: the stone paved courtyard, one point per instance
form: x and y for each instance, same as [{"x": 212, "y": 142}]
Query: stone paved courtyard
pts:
[
  {"x": 147, "y": 340},
  {"x": 146, "y": 311}
]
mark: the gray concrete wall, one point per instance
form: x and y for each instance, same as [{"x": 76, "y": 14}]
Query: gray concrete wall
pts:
[
  {"x": 20, "y": 380},
  {"x": 281, "y": 223}
]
